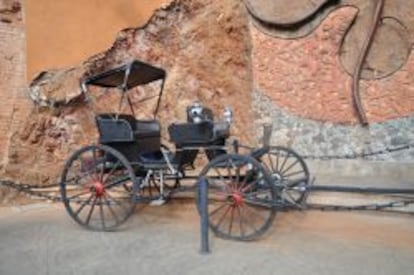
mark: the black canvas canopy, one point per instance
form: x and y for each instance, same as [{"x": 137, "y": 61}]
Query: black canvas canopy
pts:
[{"x": 127, "y": 76}]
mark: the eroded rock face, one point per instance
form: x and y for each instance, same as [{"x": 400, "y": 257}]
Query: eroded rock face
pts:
[
  {"x": 47, "y": 138},
  {"x": 56, "y": 87},
  {"x": 204, "y": 47}
]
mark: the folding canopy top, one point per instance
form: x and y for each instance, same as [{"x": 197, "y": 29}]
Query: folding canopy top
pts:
[{"x": 127, "y": 76}]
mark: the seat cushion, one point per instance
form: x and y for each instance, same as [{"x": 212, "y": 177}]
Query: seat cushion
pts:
[{"x": 156, "y": 160}]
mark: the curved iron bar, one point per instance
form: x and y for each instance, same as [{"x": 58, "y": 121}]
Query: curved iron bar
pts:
[{"x": 356, "y": 77}]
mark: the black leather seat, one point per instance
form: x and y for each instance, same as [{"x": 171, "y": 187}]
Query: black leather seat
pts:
[
  {"x": 128, "y": 135},
  {"x": 188, "y": 134},
  {"x": 125, "y": 127}
]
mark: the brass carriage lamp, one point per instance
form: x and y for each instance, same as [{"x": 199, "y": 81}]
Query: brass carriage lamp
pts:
[{"x": 228, "y": 115}]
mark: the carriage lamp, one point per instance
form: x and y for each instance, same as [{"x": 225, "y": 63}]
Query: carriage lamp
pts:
[
  {"x": 228, "y": 115},
  {"x": 195, "y": 112}
]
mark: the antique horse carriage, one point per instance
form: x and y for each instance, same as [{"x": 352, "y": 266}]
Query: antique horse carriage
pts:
[{"x": 102, "y": 183}]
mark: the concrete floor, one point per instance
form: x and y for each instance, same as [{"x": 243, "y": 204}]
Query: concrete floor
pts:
[{"x": 42, "y": 239}]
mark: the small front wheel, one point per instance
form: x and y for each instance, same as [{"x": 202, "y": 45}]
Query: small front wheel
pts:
[
  {"x": 240, "y": 197},
  {"x": 97, "y": 188}
]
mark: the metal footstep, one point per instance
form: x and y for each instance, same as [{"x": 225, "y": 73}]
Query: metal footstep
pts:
[{"x": 158, "y": 202}]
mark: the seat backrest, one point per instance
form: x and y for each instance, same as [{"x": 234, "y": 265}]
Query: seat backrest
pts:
[
  {"x": 112, "y": 129},
  {"x": 129, "y": 136},
  {"x": 147, "y": 128},
  {"x": 125, "y": 128},
  {"x": 187, "y": 134},
  {"x": 148, "y": 135}
]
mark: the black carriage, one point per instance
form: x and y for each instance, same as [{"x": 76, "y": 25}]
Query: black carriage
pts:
[{"x": 102, "y": 183}]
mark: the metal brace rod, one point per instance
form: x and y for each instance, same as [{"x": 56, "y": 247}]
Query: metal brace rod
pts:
[{"x": 355, "y": 189}]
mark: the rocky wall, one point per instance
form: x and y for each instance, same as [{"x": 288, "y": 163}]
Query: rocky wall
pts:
[
  {"x": 214, "y": 52},
  {"x": 204, "y": 47}
]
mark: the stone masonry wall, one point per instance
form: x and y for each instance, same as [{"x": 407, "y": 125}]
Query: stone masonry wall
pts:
[
  {"x": 330, "y": 141},
  {"x": 13, "y": 89}
]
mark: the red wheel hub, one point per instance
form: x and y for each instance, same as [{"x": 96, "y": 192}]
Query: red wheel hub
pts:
[
  {"x": 99, "y": 189},
  {"x": 237, "y": 198}
]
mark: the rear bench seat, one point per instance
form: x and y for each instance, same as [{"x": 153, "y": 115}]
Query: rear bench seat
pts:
[{"x": 128, "y": 135}]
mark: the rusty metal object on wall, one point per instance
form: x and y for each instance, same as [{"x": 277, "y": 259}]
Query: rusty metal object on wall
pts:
[
  {"x": 379, "y": 42},
  {"x": 366, "y": 46},
  {"x": 285, "y": 13},
  {"x": 289, "y": 19}
]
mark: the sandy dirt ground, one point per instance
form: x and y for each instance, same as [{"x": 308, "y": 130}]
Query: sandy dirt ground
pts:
[{"x": 42, "y": 239}]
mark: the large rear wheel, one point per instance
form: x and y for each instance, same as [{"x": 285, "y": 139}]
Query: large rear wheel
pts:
[
  {"x": 240, "y": 197},
  {"x": 97, "y": 188}
]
